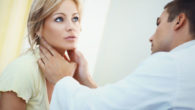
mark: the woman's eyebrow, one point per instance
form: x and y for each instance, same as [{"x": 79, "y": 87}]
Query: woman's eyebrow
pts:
[
  {"x": 59, "y": 13},
  {"x": 76, "y": 13}
]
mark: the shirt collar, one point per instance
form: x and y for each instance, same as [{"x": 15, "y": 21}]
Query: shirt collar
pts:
[{"x": 184, "y": 45}]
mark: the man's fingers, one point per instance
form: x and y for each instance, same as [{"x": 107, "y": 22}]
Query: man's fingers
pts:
[
  {"x": 48, "y": 47},
  {"x": 41, "y": 64},
  {"x": 43, "y": 58},
  {"x": 46, "y": 53},
  {"x": 74, "y": 65}
]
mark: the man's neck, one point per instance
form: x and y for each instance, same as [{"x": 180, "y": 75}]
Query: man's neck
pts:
[
  {"x": 180, "y": 42},
  {"x": 180, "y": 39}
]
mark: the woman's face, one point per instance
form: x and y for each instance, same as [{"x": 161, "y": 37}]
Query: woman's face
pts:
[{"x": 62, "y": 28}]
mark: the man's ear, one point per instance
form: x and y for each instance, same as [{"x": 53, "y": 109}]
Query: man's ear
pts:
[{"x": 180, "y": 21}]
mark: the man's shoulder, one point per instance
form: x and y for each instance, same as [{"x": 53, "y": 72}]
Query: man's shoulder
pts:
[
  {"x": 170, "y": 61},
  {"x": 161, "y": 57},
  {"x": 158, "y": 63}
]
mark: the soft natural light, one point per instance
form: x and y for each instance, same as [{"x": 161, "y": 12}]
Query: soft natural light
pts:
[{"x": 94, "y": 18}]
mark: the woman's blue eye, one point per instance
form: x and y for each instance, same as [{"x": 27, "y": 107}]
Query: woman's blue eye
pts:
[
  {"x": 75, "y": 19},
  {"x": 59, "y": 19}
]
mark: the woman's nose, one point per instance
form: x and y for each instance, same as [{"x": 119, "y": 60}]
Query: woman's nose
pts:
[{"x": 69, "y": 26}]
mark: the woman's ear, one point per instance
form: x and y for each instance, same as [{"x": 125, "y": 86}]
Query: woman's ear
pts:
[
  {"x": 39, "y": 32},
  {"x": 180, "y": 21}
]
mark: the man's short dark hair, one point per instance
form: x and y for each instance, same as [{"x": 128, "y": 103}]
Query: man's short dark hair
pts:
[{"x": 175, "y": 7}]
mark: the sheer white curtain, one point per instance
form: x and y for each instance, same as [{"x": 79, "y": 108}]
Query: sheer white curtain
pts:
[{"x": 13, "y": 16}]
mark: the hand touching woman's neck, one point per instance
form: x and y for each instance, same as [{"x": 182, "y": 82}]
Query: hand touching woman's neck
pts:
[{"x": 60, "y": 51}]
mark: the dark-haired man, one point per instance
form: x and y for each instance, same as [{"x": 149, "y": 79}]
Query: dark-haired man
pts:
[{"x": 164, "y": 81}]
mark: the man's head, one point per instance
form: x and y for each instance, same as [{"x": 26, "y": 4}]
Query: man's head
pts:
[{"x": 176, "y": 25}]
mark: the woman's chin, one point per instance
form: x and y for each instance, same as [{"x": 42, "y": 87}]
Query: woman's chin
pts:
[
  {"x": 65, "y": 47},
  {"x": 69, "y": 48}
]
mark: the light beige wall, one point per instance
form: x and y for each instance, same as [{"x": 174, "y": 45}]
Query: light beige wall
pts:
[{"x": 125, "y": 42}]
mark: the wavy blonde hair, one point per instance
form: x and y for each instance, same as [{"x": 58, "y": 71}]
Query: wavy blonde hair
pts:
[{"x": 39, "y": 11}]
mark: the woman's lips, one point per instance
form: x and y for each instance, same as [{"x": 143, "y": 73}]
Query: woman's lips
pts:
[{"x": 71, "y": 38}]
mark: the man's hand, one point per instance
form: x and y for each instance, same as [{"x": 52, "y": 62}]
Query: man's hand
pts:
[
  {"x": 81, "y": 74},
  {"x": 53, "y": 65}
]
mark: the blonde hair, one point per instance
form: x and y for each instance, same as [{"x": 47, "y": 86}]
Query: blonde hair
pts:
[{"x": 39, "y": 11}]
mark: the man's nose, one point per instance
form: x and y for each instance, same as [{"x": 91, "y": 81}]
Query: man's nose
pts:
[{"x": 151, "y": 38}]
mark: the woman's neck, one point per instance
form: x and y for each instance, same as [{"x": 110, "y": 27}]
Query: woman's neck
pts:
[{"x": 60, "y": 51}]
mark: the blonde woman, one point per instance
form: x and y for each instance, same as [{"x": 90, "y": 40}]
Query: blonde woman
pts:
[{"x": 22, "y": 85}]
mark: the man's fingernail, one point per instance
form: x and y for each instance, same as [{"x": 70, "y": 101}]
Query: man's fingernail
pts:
[{"x": 41, "y": 47}]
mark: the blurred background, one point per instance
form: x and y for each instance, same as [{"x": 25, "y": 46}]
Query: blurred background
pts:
[{"x": 114, "y": 39}]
